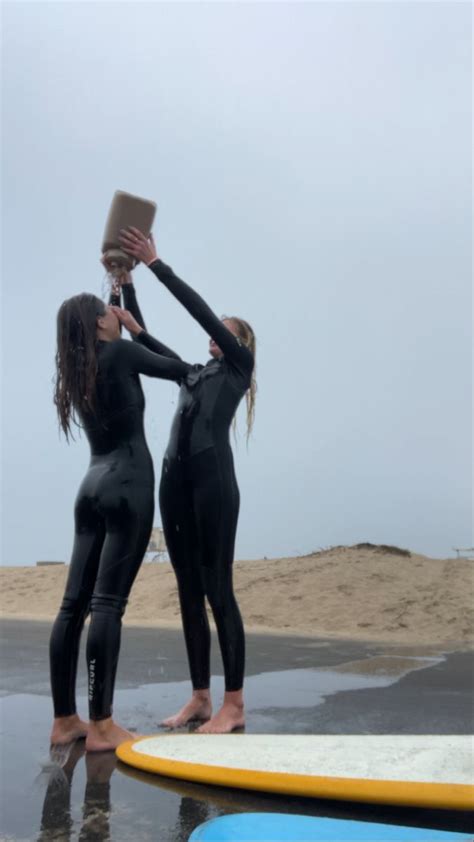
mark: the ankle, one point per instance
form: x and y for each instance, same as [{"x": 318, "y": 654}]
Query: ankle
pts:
[
  {"x": 102, "y": 726},
  {"x": 65, "y": 724},
  {"x": 202, "y": 695},
  {"x": 239, "y": 706},
  {"x": 66, "y": 720},
  {"x": 234, "y": 698}
]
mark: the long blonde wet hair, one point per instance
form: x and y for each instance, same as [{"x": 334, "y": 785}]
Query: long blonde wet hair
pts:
[{"x": 247, "y": 335}]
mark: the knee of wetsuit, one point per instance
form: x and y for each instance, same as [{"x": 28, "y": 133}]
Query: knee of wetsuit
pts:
[
  {"x": 108, "y": 604},
  {"x": 218, "y": 594},
  {"x": 74, "y": 606}
]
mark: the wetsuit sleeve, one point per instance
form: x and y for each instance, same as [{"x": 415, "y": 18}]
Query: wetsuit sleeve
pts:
[
  {"x": 155, "y": 345},
  {"x": 231, "y": 346},
  {"x": 131, "y": 303},
  {"x": 142, "y": 361}
]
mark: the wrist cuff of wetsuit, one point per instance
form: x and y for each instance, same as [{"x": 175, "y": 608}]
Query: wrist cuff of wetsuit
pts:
[{"x": 155, "y": 260}]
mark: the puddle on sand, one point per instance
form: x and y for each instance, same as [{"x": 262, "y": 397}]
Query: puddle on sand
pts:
[
  {"x": 301, "y": 688},
  {"x": 287, "y": 689},
  {"x": 396, "y": 666}
]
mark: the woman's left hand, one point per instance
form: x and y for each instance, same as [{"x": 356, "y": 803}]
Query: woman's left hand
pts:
[
  {"x": 136, "y": 244},
  {"x": 127, "y": 320}
]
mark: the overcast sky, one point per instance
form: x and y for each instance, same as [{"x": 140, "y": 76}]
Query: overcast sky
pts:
[{"x": 312, "y": 167}]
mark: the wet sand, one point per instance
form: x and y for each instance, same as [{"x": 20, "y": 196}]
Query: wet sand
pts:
[{"x": 294, "y": 685}]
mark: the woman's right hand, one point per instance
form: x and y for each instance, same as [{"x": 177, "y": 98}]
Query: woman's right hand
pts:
[
  {"x": 127, "y": 320},
  {"x": 140, "y": 247}
]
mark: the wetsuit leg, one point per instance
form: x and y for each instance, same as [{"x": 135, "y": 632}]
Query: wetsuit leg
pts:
[
  {"x": 179, "y": 526},
  {"x": 128, "y": 521},
  {"x": 216, "y": 502},
  {"x": 66, "y": 631}
]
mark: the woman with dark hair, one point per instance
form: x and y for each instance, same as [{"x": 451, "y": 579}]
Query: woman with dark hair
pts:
[
  {"x": 98, "y": 386},
  {"x": 199, "y": 496}
]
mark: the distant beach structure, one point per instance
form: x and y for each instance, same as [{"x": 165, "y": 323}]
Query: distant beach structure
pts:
[
  {"x": 464, "y": 552},
  {"x": 157, "y": 545},
  {"x": 48, "y": 563}
]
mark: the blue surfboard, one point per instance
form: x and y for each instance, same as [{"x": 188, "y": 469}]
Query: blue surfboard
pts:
[{"x": 284, "y": 827}]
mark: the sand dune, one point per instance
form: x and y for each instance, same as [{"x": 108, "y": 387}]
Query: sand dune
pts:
[{"x": 361, "y": 592}]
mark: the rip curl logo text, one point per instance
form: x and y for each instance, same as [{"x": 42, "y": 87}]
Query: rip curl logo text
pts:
[{"x": 91, "y": 678}]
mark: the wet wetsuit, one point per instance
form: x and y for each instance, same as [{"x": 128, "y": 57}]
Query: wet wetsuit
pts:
[
  {"x": 113, "y": 520},
  {"x": 199, "y": 496}
]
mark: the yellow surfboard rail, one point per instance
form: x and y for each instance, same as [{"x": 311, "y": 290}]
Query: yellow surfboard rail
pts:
[{"x": 398, "y": 793}]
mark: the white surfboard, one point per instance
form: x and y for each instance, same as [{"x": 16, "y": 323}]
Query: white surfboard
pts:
[{"x": 423, "y": 771}]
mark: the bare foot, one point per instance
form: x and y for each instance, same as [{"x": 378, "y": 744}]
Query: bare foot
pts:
[
  {"x": 198, "y": 708},
  {"x": 67, "y": 729},
  {"x": 105, "y": 735},
  {"x": 227, "y": 719}
]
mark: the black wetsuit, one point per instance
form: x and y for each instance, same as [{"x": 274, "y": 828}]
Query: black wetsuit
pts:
[
  {"x": 199, "y": 496},
  {"x": 113, "y": 520}
]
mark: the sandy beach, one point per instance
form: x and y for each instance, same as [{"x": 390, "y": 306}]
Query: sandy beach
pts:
[{"x": 363, "y": 592}]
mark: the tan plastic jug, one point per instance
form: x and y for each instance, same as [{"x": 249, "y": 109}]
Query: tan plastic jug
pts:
[{"x": 125, "y": 210}]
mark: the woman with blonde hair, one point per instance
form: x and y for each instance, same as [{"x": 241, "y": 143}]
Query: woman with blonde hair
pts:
[{"x": 199, "y": 496}]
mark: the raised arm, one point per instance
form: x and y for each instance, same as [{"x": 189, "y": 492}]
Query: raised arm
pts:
[
  {"x": 130, "y": 301},
  {"x": 231, "y": 346},
  {"x": 142, "y": 361},
  {"x": 141, "y": 336},
  {"x": 123, "y": 284},
  {"x": 155, "y": 345},
  {"x": 131, "y": 304}
]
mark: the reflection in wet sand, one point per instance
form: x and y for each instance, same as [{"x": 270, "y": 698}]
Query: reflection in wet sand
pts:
[{"x": 56, "y": 821}]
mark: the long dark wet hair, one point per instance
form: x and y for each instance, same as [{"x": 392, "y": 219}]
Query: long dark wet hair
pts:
[{"x": 76, "y": 358}]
